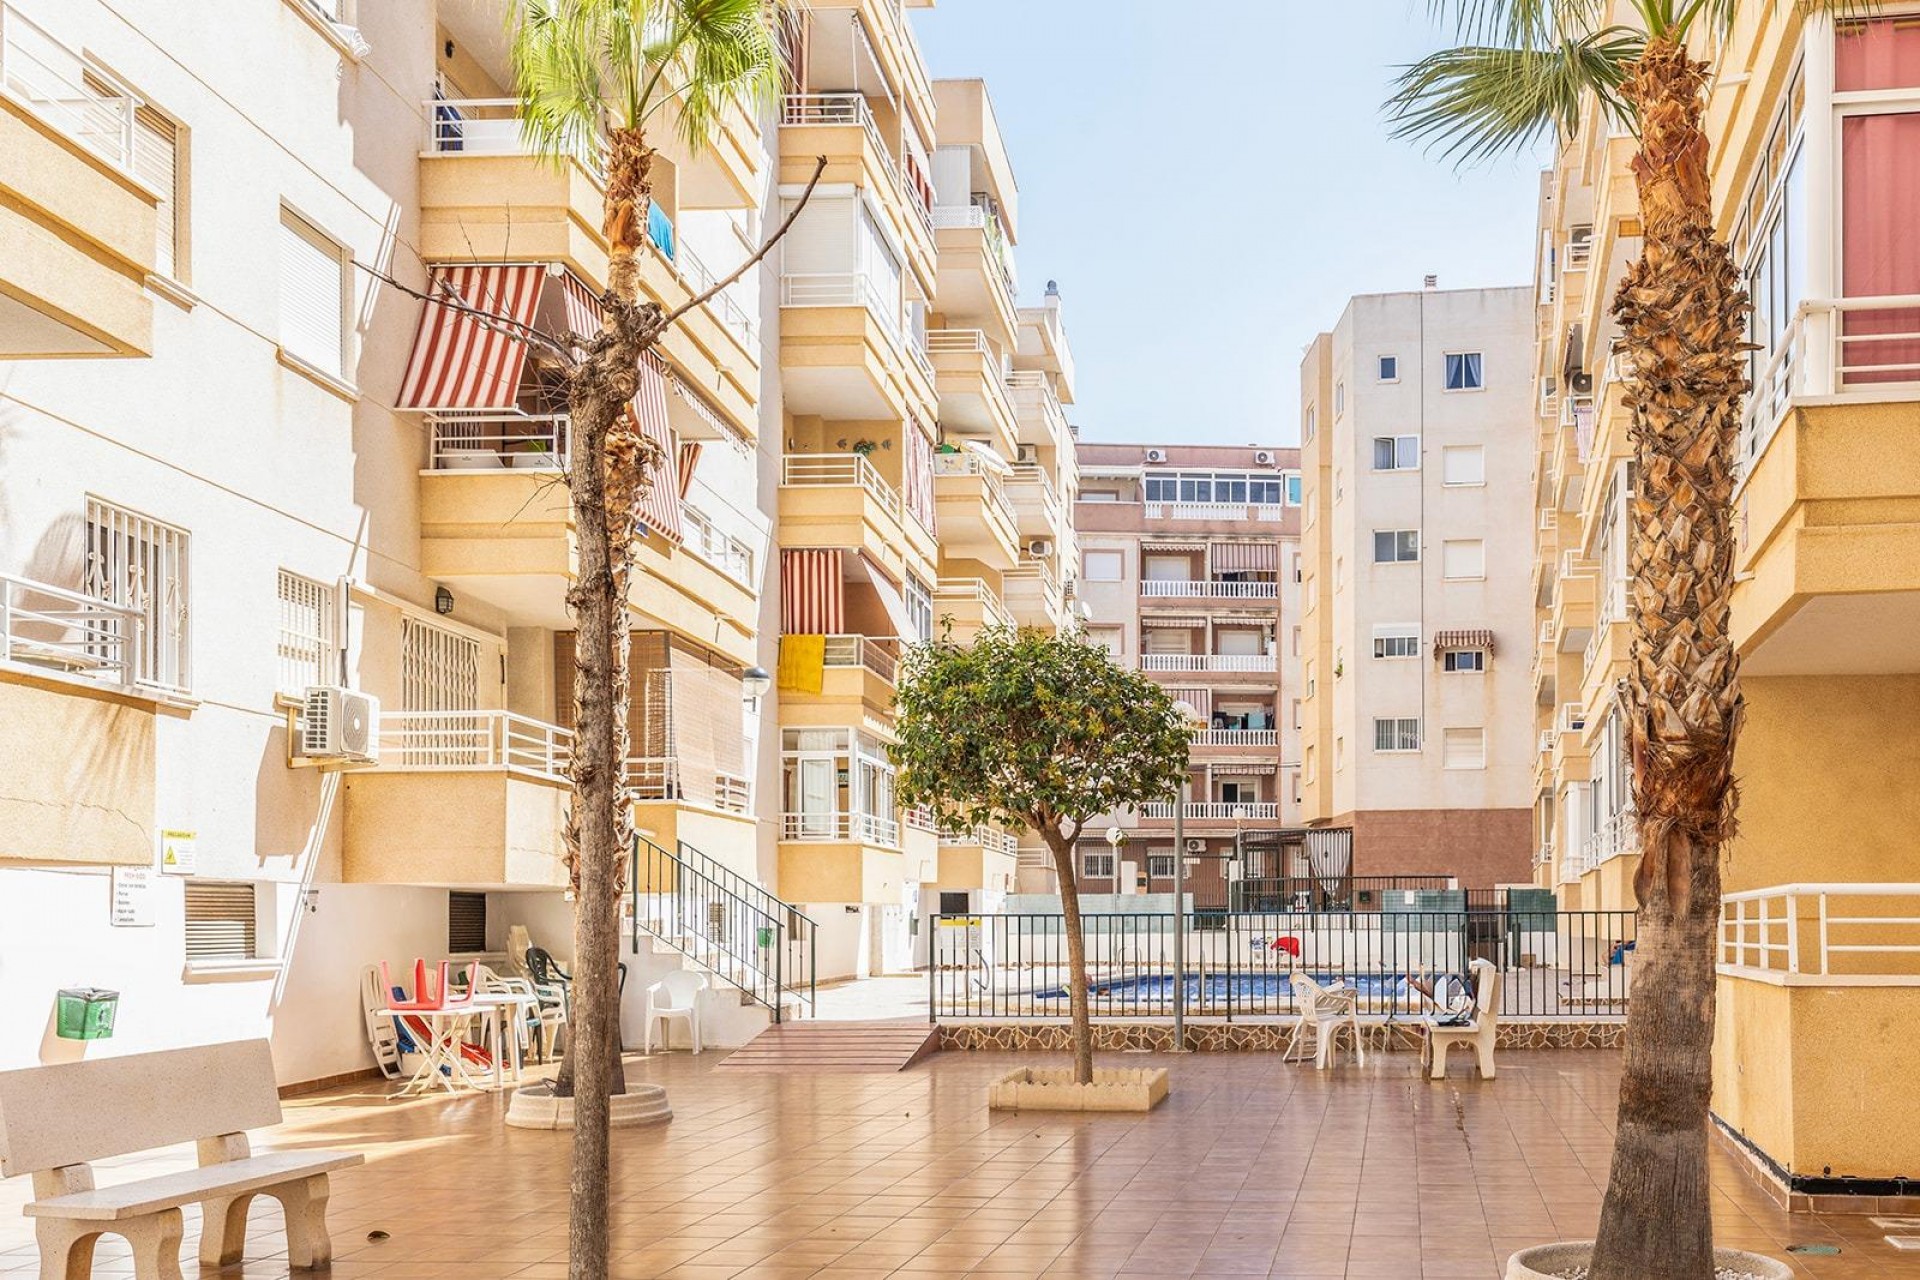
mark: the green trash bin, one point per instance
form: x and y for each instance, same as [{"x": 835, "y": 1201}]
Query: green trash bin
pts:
[
  {"x": 86, "y": 1013},
  {"x": 764, "y": 937}
]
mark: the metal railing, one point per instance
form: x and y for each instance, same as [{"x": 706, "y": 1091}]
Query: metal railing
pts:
[
  {"x": 840, "y": 826},
  {"x": 70, "y": 92},
  {"x": 1260, "y": 511},
  {"x": 1243, "y": 662},
  {"x": 986, "y": 837},
  {"x": 881, "y": 657},
  {"x": 953, "y": 594},
  {"x": 1031, "y": 585},
  {"x": 68, "y": 631},
  {"x": 1579, "y": 254},
  {"x": 491, "y": 441},
  {"x": 1618, "y": 835},
  {"x": 1555, "y": 966},
  {"x": 1311, "y": 893},
  {"x": 726, "y": 925},
  {"x": 721, "y": 550},
  {"x": 662, "y": 779},
  {"x": 1236, "y": 738},
  {"x": 844, "y": 110},
  {"x": 838, "y": 470},
  {"x": 1207, "y": 589},
  {"x": 975, "y": 215},
  {"x": 1033, "y": 397},
  {"x": 1215, "y": 810},
  {"x": 453, "y": 741},
  {"x": 1817, "y": 355},
  {"x": 971, "y": 463},
  {"x": 1824, "y": 932}
]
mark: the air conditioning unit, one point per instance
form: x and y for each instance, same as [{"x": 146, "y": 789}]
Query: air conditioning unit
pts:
[
  {"x": 1040, "y": 548},
  {"x": 1196, "y": 846},
  {"x": 1156, "y": 455},
  {"x": 1026, "y": 454},
  {"x": 1263, "y": 458},
  {"x": 340, "y": 724}
]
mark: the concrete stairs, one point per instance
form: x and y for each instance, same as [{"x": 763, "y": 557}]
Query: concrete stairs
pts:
[{"x": 813, "y": 1046}]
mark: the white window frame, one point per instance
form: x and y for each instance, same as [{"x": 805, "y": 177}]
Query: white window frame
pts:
[
  {"x": 1396, "y": 642},
  {"x": 1380, "y": 364},
  {"x": 303, "y": 228},
  {"x": 1451, "y": 658},
  {"x": 1451, "y": 451},
  {"x": 1397, "y": 535},
  {"x": 1161, "y": 866},
  {"x": 1479, "y": 368},
  {"x": 1097, "y": 866},
  {"x": 1339, "y": 399},
  {"x": 1446, "y": 569},
  {"x": 1290, "y": 488},
  {"x": 1403, "y": 453},
  {"x": 1395, "y": 729},
  {"x": 1088, "y": 559},
  {"x": 308, "y": 647},
  {"x": 145, "y": 564}
]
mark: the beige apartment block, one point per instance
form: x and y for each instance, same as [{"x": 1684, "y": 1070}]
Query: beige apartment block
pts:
[
  {"x": 1417, "y": 632},
  {"x": 1189, "y": 571}
]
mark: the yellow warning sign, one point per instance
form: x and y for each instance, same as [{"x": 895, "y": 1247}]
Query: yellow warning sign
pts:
[{"x": 177, "y": 854}]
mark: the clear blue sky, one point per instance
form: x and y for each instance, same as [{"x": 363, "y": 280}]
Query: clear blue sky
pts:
[{"x": 1209, "y": 195}]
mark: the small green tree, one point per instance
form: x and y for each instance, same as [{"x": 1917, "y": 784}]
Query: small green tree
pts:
[{"x": 1023, "y": 728}]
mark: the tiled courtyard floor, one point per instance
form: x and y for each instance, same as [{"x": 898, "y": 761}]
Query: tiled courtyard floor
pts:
[{"x": 1251, "y": 1168}]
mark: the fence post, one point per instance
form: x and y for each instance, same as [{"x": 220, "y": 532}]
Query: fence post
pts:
[{"x": 933, "y": 967}]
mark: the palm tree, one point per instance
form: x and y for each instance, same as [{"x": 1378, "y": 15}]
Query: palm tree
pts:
[
  {"x": 592, "y": 76},
  {"x": 1526, "y": 68}
]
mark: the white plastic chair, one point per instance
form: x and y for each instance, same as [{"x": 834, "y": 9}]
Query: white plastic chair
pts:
[
  {"x": 675, "y": 996},
  {"x": 1327, "y": 1010},
  {"x": 1480, "y": 1033}
]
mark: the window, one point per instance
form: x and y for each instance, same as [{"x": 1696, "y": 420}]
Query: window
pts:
[
  {"x": 1293, "y": 785},
  {"x": 1160, "y": 866},
  {"x": 1311, "y": 684},
  {"x": 1292, "y": 480},
  {"x": 1296, "y": 642},
  {"x": 220, "y": 921},
  {"x": 1339, "y": 485},
  {"x": 1296, "y": 713},
  {"x": 1396, "y": 642},
  {"x": 1463, "y": 464},
  {"x": 1463, "y": 371},
  {"x": 955, "y": 902},
  {"x": 1239, "y": 791},
  {"x": 156, "y": 154},
  {"x": 1293, "y": 558},
  {"x": 1463, "y": 749},
  {"x": 136, "y": 561},
  {"x": 1112, "y": 639},
  {"x": 1265, "y": 493},
  {"x": 1396, "y": 453},
  {"x": 1339, "y": 398},
  {"x": 1307, "y": 770},
  {"x": 313, "y": 295},
  {"x": 1396, "y": 735},
  {"x": 1389, "y": 368},
  {"x": 439, "y": 669},
  {"x": 1339, "y": 572},
  {"x": 306, "y": 634},
  {"x": 1306, "y": 429},
  {"x": 1308, "y": 509},
  {"x": 919, "y": 601},
  {"x": 1339, "y": 753},
  {"x": 1102, "y": 566},
  {"x": 1099, "y": 495},
  {"x": 1463, "y": 558},
  {"x": 1395, "y": 546},
  {"x": 1464, "y": 660},
  {"x": 1166, "y": 568},
  {"x": 1096, "y": 864},
  {"x": 466, "y": 922}
]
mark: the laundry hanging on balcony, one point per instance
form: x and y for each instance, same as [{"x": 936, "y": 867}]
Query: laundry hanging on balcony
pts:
[
  {"x": 803, "y": 664},
  {"x": 463, "y": 361}
]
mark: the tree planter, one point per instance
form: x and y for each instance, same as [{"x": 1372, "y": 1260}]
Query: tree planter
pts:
[
  {"x": 1053, "y": 1089},
  {"x": 536, "y": 1107},
  {"x": 1550, "y": 1261}
]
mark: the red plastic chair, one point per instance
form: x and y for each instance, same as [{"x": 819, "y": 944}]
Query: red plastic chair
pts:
[{"x": 425, "y": 996}]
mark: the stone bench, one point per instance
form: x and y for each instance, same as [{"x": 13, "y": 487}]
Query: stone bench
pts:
[{"x": 54, "y": 1121}]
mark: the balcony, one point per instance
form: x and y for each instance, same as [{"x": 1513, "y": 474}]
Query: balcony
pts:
[
  {"x": 840, "y": 500},
  {"x": 841, "y": 127},
  {"x": 1036, "y": 503},
  {"x": 845, "y": 352},
  {"x": 976, "y": 273},
  {"x": 1618, "y": 836},
  {"x": 968, "y": 374},
  {"x": 857, "y": 682},
  {"x": 1037, "y": 414},
  {"x": 1207, "y": 589},
  {"x": 459, "y": 798},
  {"x": 1213, "y": 663},
  {"x": 840, "y": 856},
  {"x": 1236, "y": 738},
  {"x": 970, "y": 605},
  {"x": 980, "y": 858},
  {"x": 1226, "y": 514},
  {"x": 1043, "y": 346},
  {"x": 976, "y": 520},
  {"x": 78, "y": 229},
  {"x": 870, "y": 42},
  {"x": 50, "y": 631},
  {"x": 1034, "y": 596},
  {"x": 1214, "y": 811},
  {"x": 673, "y": 802}
]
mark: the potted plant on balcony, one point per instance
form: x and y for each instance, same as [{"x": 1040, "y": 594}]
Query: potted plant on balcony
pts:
[
  {"x": 1527, "y": 68},
  {"x": 1025, "y": 728}
]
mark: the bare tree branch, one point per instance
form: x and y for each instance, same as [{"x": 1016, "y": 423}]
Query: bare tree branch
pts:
[
  {"x": 820, "y": 167},
  {"x": 449, "y": 297}
]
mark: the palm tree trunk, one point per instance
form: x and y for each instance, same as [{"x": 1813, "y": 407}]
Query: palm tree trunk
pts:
[
  {"x": 1078, "y": 1000},
  {"x": 610, "y": 467},
  {"x": 1682, "y": 312}
]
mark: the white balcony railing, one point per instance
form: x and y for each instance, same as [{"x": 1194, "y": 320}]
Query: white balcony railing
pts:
[
  {"x": 975, "y": 216},
  {"x": 662, "y": 779},
  {"x": 1859, "y": 349},
  {"x": 1618, "y": 835},
  {"x": 1854, "y": 934},
  {"x": 1543, "y": 856},
  {"x": 1036, "y": 403},
  {"x": 844, "y": 289},
  {"x": 490, "y": 441},
  {"x": 1217, "y": 511},
  {"x": 986, "y": 837},
  {"x": 1579, "y": 254},
  {"x": 68, "y": 632},
  {"x": 839, "y": 470},
  {"x": 1229, "y": 662},
  {"x": 831, "y": 110},
  {"x": 1236, "y": 738},
  {"x": 1573, "y": 717},
  {"x": 832, "y": 828},
  {"x": 455, "y": 741},
  {"x": 970, "y": 595},
  {"x": 70, "y": 92},
  {"x": 1031, "y": 587},
  {"x": 1031, "y": 481},
  {"x": 881, "y": 657},
  {"x": 721, "y": 550},
  {"x": 1206, "y": 589},
  {"x": 971, "y": 462},
  {"x": 1216, "y": 810}
]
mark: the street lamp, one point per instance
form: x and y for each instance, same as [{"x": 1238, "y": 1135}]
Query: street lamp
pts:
[
  {"x": 1192, "y": 721},
  {"x": 754, "y": 683}
]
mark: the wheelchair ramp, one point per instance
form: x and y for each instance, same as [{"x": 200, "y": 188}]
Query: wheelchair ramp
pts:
[{"x": 829, "y": 1047}]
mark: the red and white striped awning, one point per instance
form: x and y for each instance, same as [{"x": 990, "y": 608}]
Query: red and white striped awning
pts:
[
  {"x": 461, "y": 362},
  {"x": 582, "y": 307},
  {"x": 660, "y": 506},
  {"x": 813, "y": 592},
  {"x": 1474, "y": 639},
  {"x": 1245, "y": 557},
  {"x": 689, "y": 459}
]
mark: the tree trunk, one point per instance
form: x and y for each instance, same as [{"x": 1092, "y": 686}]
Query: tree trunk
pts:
[
  {"x": 1077, "y": 1001},
  {"x": 609, "y": 469},
  {"x": 1682, "y": 313}
]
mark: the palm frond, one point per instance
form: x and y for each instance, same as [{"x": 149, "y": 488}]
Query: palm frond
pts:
[
  {"x": 1518, "y": 24},
  {"x": 1480, "y": 101}
]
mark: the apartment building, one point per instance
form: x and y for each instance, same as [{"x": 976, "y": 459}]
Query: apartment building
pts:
[
  {"x": 1812, "y": 124},
  {"x": 367, "y": 498},
  {"x": 1414, "y": 511},
  {"x": 1189, "y": 571}
]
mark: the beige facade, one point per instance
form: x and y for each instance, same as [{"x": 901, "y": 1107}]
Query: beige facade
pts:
[
  {"x": 1416, "y": 626},
  {"x": 1808, "y": 123}
]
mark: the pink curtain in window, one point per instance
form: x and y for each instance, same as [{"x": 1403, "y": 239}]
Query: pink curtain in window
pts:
[
  {"x": 1880, "y": 192},
  {"x": 1882, "y": 54}
]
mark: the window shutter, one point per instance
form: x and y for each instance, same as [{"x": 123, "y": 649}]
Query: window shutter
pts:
[
  {"x": 312, "y": 307},
  {"x": 219, "y": 921},
  {"x": 1464, "y": 749},
  {"x": 466, "y": 922},
  {"x": 154, "y": 163}
]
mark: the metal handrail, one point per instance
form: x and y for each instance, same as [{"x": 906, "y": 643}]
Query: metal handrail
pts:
[
  {"x": 798, "y": 470},
  {"x": 492, "y": 441},
  {"x": 1750, "y": 918},
  {"x": 455, "y": 741},
  {"x": 1244, "y": 662},
  {"x": 1208, "y": 589},
  {"x": 42, "y": 625},
  {"x": 57, "y": 83}
]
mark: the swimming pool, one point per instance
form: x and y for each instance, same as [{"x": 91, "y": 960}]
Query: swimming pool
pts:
[{"x": 1249, "y": 987}]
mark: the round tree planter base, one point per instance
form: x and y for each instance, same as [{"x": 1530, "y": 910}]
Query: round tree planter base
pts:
[
  {"x": 1551, "y": 1261},
  {"x": 535, "y": 1107},
  {"x": 1053, "y": 1089}
]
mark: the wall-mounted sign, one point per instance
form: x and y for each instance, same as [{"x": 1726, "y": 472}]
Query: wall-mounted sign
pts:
[
  {"x": 178, "y": 856},
  {"x": 134, "y": 895}
]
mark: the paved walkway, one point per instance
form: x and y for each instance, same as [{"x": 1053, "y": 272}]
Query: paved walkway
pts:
[{"x": 1251, "y": 1168}]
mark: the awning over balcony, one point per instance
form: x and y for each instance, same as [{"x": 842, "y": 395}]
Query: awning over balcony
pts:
[
  {"x": 660, "y": 506},
  {"x": 862, "y": 570},
  {"x": 1172, "y": 621},
  {"x": 813, "y": 592},
  {"x": 1159, "y": 545},
  {"x": 1445, "y": 640},
  {"x": 463, "y": 361},
  {"x": 689, "y": 459},
  {"x": 1245, "y": 557}
]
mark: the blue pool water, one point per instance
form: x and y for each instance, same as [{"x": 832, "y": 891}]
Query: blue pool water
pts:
[{"x": 1249, "y": 987}]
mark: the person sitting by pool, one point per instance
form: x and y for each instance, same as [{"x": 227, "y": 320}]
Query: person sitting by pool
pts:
[{"x": 1451, "y": 994}]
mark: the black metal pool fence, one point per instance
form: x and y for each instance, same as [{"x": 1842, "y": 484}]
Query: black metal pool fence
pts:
[{"x": 1554, "y": 966}]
